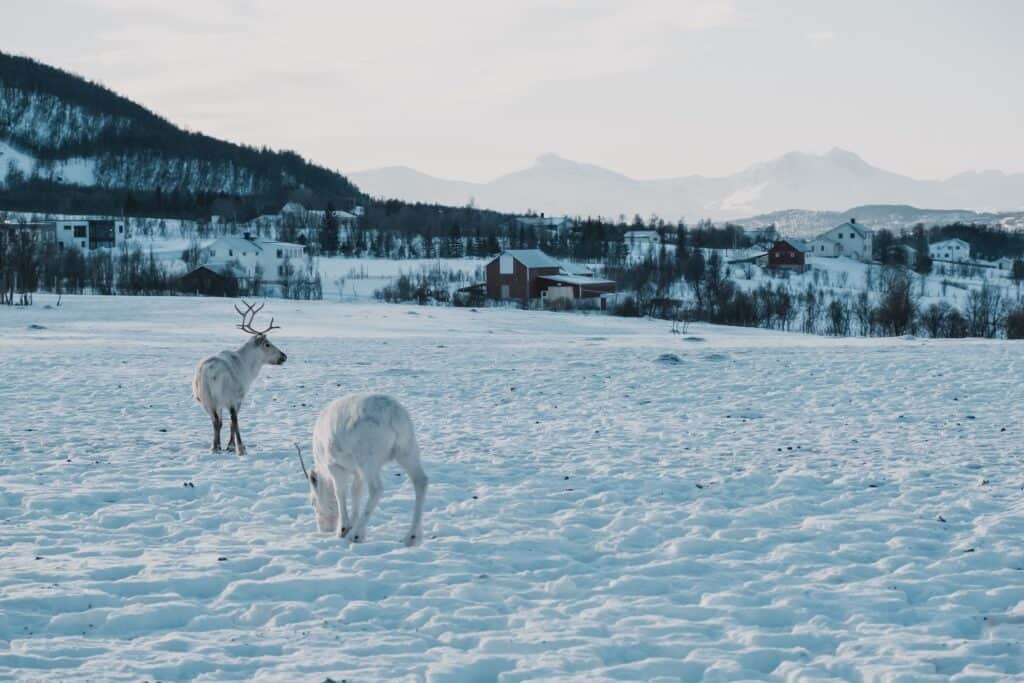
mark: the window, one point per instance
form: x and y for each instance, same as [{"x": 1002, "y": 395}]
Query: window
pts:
[
  {"x": 67, "y": 227},
  {"x": 506, "y": 265},
  {"x": 231, "y": 252},
  {"x": 280, "y": 253},
  {"x": 504, "y": 292},
  {"x": 79, "y": 231},
  {"x": 120, "y": 228}
]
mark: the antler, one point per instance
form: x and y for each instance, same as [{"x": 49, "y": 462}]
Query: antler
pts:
[
  {"x": 301, "y": 462},
  {"x": 247, "y": 317}
]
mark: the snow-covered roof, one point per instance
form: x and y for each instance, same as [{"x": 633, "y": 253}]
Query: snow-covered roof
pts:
[
  {"x": 233, "y": 242},
  {"x": 641, "y": 234},
  {"x": 861, "y": 231},
  {"x": 577, "y": 280},
  {"x": 293, "y": 207},
  {"x": 799, "y": 245},
  {"x": 577, "y": 269},
  {"x": 221, "y": 266},
  {"x": 543, "y": 220},
  {"x": 282, "y": 244},
  {"x": 533, "y": 258}
]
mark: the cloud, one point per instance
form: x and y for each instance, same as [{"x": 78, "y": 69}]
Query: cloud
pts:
[{"x": 819, "y": 38}]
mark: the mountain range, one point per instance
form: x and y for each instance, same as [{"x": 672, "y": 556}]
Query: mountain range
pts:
[
  {"x": 70, "y": 145},
  {"x": 826, "y": 182}
]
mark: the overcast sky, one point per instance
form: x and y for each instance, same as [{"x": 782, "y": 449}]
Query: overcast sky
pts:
[{"x": 471, "y": 89}]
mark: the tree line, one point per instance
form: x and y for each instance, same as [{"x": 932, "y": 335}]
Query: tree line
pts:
[{"x": 889, "y": 305}]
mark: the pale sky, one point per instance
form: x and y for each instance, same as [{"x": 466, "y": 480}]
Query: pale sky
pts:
[{"x": 471, "y": 89}]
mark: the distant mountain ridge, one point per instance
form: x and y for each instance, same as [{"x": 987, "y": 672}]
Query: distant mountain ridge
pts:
[
  {"x": 57, "y": 129},
  {"x": 803, "y": 223},
  {"x": 826, "y": 182}
]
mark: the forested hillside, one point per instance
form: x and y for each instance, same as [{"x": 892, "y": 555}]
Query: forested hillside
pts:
[{"x": 67, "y": 144}]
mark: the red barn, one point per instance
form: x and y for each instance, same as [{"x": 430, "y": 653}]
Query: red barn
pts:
[
  {"x": 514, "y": 273},
  {"x": 786, "y": 254},
  {"x": 532, "y": 274}
]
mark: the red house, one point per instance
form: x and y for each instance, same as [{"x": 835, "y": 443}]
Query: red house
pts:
[
  {"x": 525, "y": 274},
  {"x": 786, "y": 254}
]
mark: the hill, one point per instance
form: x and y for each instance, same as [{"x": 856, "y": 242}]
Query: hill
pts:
[{"x": 67, "y": 144}]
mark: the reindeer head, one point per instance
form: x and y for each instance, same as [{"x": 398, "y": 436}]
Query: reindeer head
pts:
[
  {"x": 321, "y": 496},
  {"x": 270, "y": 354}
]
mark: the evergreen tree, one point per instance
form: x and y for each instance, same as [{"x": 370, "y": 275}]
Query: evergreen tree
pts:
[{"x": 329, "y": 239}]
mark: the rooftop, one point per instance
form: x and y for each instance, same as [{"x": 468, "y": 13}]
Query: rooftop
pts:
[
  {"x": 533, "y": 258},
  {"x": 577, "y": 280}
]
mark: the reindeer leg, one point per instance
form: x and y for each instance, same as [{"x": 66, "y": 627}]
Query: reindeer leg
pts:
[
  {"x": 410, "y": 462},
  {"x": 357, "y": 495},
  {"x": 231, "y": 434},
  {"x": 374, "y": 487},
  {"x": 419, "y": 482},
  {"x": 236, "y": 436},
  {"x": 341, "y": 478},
  {"x": 216, "y": 431}
]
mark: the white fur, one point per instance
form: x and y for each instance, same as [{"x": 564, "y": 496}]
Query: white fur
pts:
[
  {"x": 354, "y": 437},
  {"x": 222, "y": 381}
]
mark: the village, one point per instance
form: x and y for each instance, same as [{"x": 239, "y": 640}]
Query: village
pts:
[{"x": 267, "y": 251}]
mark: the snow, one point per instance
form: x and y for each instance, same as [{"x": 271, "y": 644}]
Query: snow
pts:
[
  {"x": 13, "y": 159},
  {"x": 766, "y": 506},
  {"x": 363, "y": 276},
  {"x": 74, "y": 171},
  {"x": 845, "y": 276}
]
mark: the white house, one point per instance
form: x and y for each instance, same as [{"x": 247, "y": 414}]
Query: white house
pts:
[
  {"x": 551, "y": 224},
  {"x": 246, "y": 253},
  {"x": 851, "y": 239},
  {"x": 89, "y": 234},
  {"x": 950, "y": 250},
  {"x": 314, "y": 217},
  {"x": 642, "y": 237}
]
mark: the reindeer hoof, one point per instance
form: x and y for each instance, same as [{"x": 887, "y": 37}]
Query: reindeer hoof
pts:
[
  {"x": 344, "y": 531},
  {"x": 357, "y": 537},
  {"x": 411, "y": 539}
]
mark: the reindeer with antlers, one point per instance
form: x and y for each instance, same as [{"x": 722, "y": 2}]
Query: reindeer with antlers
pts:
[{"x": 222, "y": 381}]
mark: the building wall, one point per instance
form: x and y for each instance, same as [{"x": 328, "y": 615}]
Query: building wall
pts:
[
  {"x": 843, "y": 241},
  {"x": 950, "y": 250},
  {"x": 272, "y": 262},
  {"x": 553, "y": 293},
  {"x": 88, "y": 234},
  {"x": 784, "y": 255},
  {"x": 267, "y": 255},
  {"x": 589, "y": 291}
]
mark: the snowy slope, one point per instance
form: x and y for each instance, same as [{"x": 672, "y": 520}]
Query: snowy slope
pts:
[
  {"x": 754, "y": 506},
  {"x": 57, "y": 126}
]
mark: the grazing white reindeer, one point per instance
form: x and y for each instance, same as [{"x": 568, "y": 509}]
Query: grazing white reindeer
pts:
[
  {"x": 222, "y": 381},
  {"x": 354, "y": 437}
]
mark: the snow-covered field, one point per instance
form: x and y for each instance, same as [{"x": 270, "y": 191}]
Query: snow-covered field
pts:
[{"x": 608, "y": 502}]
